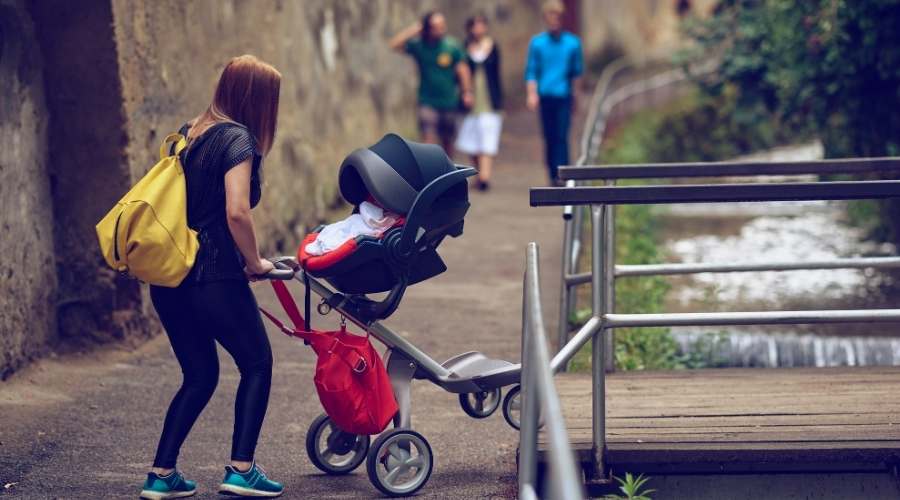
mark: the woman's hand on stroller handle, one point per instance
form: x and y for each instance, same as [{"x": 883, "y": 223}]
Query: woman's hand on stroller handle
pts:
[
  {"x": 282, "y": 269},
  {"x": 285, "y": 267}
]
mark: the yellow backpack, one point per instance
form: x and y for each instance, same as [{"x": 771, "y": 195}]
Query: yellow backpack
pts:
[{"x": 146, "y": 234}]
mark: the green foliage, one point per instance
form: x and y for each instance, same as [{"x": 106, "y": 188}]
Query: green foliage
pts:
[
  {"x": 697, "y": 127},
  {"x": 826, "y": 67},
  {"x": 632, "y": 488}
]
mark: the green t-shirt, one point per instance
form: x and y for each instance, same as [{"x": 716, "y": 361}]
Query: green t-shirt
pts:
[{"x": 437, "y": 71}]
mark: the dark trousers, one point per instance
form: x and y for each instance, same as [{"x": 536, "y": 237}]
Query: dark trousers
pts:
[
  {"x": 195, "y": 318},
  {"x": 556, "y": 118}
]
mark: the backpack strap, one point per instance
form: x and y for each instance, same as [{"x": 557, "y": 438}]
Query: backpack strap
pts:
[{"x": 178, "y": 140}]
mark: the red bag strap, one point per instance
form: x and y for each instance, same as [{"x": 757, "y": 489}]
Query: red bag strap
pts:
[
  {"x": 290, "y": 307},
  {"x": 287, "y": 302},
  {"x": 349, "y": 355}
]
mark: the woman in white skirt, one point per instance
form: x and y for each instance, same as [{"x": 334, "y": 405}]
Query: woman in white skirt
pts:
[{"x": 479, "y": 136}]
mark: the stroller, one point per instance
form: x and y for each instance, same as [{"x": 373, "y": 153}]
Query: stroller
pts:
[{"x": 419, "y": 182}]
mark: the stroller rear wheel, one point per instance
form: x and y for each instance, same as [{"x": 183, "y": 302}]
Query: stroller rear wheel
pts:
[
  {"x": 400, "y": 462},
  {"x": 332, "y": 450},
  {"x": 480, "y": 404}
]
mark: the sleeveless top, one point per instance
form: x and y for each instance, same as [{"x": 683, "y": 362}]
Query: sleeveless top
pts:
[{"x": 206, "y": 161}]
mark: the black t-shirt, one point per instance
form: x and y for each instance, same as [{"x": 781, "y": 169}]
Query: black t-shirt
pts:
[{"x": 206, "y": 160}]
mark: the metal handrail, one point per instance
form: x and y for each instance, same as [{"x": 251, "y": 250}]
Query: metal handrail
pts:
[
  {"x": 591, "y": 136},
  {"x": 714, "y": 193},
  {"x": 732, "y": 169},
  {"x": 539, "y": 397},
  {"x": 624, "y": 270},
  {"x": 603, "y": 102},
  {"x": 604, "y": 271}
]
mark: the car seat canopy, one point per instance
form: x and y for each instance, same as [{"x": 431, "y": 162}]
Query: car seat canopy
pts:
[{"x": 392, "y": 172}]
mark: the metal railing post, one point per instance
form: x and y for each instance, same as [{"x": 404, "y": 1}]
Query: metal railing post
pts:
[
  {"x": 598, "y": 372},
  {"x": 528, "y": 422},
  {"x": 539, "y": 397},
  {"x": 609, "y": 289},
  {"x": 565, "y": 293},
  {"x": 577, "y": 231}
]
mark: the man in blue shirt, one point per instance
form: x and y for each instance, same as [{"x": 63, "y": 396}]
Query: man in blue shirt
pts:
[{"x": 552, "y": 75}]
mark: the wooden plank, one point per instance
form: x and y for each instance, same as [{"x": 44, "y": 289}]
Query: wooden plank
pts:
[
  {"x": 879, "y": 430},
  {"x": 745, "y": 420},
  {"x": 742, "y": 419}
]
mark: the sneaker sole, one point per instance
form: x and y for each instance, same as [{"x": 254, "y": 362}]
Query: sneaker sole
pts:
[
  {"x": 156, "y": 495},
  {"x": 228, "y": 489}
]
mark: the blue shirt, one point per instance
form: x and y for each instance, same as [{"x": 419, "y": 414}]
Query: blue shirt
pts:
[{"x": 553, "y": 62}]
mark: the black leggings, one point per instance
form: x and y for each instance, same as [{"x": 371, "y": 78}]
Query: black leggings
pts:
[{"x": 195, "y": 317}]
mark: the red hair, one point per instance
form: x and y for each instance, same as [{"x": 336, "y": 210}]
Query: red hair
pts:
[{"x": 247, "y": 93}]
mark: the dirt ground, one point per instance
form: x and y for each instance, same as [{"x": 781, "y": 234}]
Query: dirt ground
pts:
[{"x": 87, "y": 426}]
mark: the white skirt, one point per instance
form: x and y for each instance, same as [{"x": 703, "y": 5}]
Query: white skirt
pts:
[{"x": 480, "y": 134}]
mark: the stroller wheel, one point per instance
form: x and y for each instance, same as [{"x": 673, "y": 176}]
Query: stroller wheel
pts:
[
  {"x": 512, "y": 407},
  {"x": 332, "y": 450},
  {"x": 399, "y": 462},
  {"x": 480, "y": 404}
]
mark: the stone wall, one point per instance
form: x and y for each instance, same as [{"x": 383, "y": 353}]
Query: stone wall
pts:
[
  {"x": 645, "y": 30},
  {"x": 343, "y": 87},
  {"x": 27, "y": 270},
  {"x": 88, "y": 168},
  {"x": 90, "y": 88}
]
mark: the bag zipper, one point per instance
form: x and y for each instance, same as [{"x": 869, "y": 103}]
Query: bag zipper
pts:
[{"x": 116, "y": 237}]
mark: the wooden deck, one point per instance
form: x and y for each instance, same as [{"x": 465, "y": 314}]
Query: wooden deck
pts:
[{"x": 742, "y": 420}]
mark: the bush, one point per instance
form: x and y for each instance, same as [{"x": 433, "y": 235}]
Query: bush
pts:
[{"x": 825, "y": 67}]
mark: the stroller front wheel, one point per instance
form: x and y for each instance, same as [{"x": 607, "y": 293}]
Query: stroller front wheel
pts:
[
  {"x": 400, "y": 462},
  {"x": 480, "y": 404},
  {"x": 332, "y": 450},
  {"x": 512, "y": 407}
]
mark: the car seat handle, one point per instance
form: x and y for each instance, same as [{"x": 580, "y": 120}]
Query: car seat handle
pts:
[{"x": 425, "y": 199}]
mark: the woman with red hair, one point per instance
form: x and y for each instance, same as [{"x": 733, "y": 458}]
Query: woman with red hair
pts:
[{"x": 214, "y": 303}]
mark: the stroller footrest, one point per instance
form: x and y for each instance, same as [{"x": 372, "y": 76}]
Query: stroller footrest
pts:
[{"x": 470, "y": 365}]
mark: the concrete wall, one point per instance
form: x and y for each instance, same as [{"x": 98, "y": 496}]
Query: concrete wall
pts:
[{"x": 27, "y": 271}]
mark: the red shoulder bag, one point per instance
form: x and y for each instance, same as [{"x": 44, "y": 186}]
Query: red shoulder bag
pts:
[{"x": 351, "y": 380}]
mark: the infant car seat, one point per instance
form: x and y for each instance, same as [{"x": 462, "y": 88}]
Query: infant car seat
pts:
[{"x": 430, "y": 193}]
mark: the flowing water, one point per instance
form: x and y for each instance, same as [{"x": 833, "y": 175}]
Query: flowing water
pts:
[{"x": 777, "y": 232}]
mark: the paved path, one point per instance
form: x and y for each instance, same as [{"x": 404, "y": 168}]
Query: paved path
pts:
[{"x": 87, "y": 427}]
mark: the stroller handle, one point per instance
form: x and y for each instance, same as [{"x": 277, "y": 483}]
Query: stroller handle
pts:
[{"x": 284, "y": 269}]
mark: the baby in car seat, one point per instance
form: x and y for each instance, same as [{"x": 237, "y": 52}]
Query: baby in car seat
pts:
[{"x": 371, "y": 220}]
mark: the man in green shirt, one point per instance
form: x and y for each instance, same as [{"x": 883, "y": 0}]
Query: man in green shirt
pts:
[{"x": 444, "y": 77}]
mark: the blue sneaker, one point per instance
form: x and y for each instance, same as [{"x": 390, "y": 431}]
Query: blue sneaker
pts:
[
  {"x": 252, "y": 483},
  {"x": 174, "y": 485}
]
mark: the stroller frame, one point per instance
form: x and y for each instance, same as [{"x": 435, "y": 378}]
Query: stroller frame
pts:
[
  {"x": 421, "y": 183},
  {"x": 468, "y": 374}
]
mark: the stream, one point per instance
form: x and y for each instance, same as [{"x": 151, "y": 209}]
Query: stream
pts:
[{"x": 782, "y": 232}]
